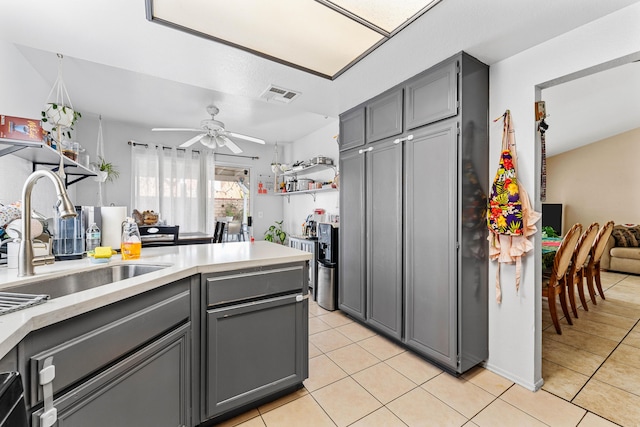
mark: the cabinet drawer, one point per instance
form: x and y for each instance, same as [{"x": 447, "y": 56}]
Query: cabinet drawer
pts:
[
  {"x": 384, "y": 116},
  {"x": 85, "y": 354},
  {"x": 147, "y": 388},
  {"x": 432, "y": 96},
  {"x": 254, "y": 284},
  {"x": 351, "y": 129}
]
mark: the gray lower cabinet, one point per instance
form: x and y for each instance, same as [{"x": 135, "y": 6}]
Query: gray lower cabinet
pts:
[
  {"x": 352, "y": 243},
  {"x": 148, "y": 388},
  {"x": 384, "y": 237},
  {"x": 256, "y": 336},
  {"x": 127, "y": 363}
]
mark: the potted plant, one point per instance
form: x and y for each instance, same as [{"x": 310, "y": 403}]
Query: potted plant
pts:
[
  {"x": 106, "y": 171},
  {"x": 56, "y": 116},
  {"x": 275, "y": 233}
]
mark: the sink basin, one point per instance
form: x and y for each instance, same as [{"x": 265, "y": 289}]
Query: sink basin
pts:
[{"x": 81, "y": 281}]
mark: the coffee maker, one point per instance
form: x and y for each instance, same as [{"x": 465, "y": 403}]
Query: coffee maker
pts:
[
  {"x": 69, "y": 234},
  {"x": 327, "y": 265}
]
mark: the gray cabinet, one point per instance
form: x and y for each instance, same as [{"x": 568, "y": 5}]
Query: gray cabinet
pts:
[
  {"x": 255, "y": 341},
  {"x": 384, "y": 116},
  {"x": 432, "y": 96},
  {"x": 148, "y": 388},
  {"x": 135, "y": 350},
  {"x": 424, "y": 279},
  {"x": 384, "y": 237},
  {"x": 352, "y": 129},
  {"x": 431, "y": 241},
  {"x": 352, "y": 253}
]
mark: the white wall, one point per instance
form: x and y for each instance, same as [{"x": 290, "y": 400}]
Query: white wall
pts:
[
  {"x": 297, "y": 207},
  {"x": 24, "y": 92},
  {"x": 514, "y": 325}
]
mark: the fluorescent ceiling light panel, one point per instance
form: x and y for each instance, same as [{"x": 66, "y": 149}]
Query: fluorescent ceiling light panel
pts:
[{"x": 321, "y": 37}]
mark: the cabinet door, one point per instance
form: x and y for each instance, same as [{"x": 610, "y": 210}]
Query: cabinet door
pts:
[
  {"x": 254, "y": 350},
  {"x": 384, "y": 242},
  {"x": 432, "y": 96},
  {"x": 384, "y": 117},
  {"x": 149, "y": 388},
  {"x": 351, "y": 253},
  {"x": 351, "y": 129},
  {"x": 430, "y": 242}
]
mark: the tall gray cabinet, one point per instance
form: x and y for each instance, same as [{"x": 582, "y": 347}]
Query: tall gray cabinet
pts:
[{"x": 413, "y": 185}]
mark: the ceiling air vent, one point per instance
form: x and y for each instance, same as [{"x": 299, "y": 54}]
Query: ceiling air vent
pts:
[{"x": 275, "y": 93}]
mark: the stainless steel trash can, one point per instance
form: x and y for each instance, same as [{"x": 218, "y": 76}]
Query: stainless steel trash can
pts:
[{"x": 327, "y": 286}]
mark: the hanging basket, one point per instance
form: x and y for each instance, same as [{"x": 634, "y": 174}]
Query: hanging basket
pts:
[
  {"x": 59, "y": 115},
  {"x": 101, "y": 176}
]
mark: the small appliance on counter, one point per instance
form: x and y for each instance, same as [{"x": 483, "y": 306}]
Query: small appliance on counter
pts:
[
  {"x": 69, "y": 234},
  {"x": 327, "y": 293}
]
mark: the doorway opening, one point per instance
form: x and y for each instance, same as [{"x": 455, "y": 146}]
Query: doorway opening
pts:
[{"x": 232, "y": 197}]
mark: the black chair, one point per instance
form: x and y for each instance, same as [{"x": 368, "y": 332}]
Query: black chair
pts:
[
  {"x": 159, "y": 235},
  {"x": 218, "y": 234}
]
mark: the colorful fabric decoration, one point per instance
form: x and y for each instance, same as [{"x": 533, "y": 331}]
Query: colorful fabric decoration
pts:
[{"x": 510, "y": 217}]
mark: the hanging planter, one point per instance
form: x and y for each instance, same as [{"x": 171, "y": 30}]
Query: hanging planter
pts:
[
  {"x": 55, "y": 115},
  {"x": 58, "y": 114}
]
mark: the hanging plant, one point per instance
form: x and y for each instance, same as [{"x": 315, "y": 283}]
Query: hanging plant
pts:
[
  {"x": 106, "y": 171},
  {"x": 58, "y": 114}
]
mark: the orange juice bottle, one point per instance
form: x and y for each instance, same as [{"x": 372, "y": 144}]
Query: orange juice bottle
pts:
[{"x": 131, "y": 244}]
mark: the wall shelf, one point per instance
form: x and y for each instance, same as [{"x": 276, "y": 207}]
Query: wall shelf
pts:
[
  {"x": 308, "y": 169},
  {"x": 312, "y": 193},
  {"x": 39, "y": 153}
]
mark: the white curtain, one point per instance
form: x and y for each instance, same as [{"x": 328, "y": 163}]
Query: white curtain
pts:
[{"x": 176, "y": 183}]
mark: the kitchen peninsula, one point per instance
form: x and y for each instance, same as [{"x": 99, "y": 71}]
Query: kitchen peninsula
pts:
[{"x": 219, "y": 328}]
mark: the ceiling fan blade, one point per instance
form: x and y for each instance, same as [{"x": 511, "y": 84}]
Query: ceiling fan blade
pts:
[
  {"x": 248, "y": 138},
  {"x": 193, "y": 140},
  {"x": 176, "y": 130},
  {"x": 230, "y": 145}
]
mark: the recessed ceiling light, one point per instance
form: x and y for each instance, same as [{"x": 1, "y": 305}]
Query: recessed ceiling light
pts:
[{"x": 322, "y": 37}]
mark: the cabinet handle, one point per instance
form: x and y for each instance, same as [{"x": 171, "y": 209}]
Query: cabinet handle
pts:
[
  {"x": 399, "y": 140},
  {"x": 364, "y": 150}
]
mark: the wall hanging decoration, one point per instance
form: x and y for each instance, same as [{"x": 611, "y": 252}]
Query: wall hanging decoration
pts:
[
  {"x": 510, "y": 217},
  {"x": 58, "y": 115}
]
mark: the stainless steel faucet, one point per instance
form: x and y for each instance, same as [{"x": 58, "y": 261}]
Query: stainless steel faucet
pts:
[{"x": 26, "y": 260}]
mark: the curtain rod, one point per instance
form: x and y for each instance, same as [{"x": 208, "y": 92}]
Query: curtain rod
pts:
[{"x": 166, "y": 147}]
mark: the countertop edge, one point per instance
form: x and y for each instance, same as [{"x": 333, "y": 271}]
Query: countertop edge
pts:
[{"x": 187, "y": 261}]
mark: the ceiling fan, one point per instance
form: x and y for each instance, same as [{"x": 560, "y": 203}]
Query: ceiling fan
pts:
[{"x": 213, "y": 133}]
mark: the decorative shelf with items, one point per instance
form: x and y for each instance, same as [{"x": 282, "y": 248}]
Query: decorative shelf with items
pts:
[
  {"x": 296, "y": 181},
  {"x": 40, "y": 153}
]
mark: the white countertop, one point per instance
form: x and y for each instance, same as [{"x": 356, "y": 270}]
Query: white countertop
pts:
[{"x": 181, "y": 261}]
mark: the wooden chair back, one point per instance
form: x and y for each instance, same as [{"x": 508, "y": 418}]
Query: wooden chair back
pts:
[
  {"x": 601, "y": 242},
  {"x": 565, "y": 251},
  {"x": 583, "y": 247}
]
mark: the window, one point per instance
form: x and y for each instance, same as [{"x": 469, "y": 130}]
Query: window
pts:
[{"x": 175, "y": 183}]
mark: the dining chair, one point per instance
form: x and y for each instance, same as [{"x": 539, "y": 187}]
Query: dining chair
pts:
[
  {"x": 554, "y": 284},
  {"x": 219, "y": 231},
  {"x": 592, "y": 269},
  {"x": 575, "y": 276}
]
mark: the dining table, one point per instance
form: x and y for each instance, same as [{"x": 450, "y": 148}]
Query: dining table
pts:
[{"x": 550, "y": 246}]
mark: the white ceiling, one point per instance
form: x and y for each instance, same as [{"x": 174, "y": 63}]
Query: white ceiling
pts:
[{"x": 126, "y": 68}]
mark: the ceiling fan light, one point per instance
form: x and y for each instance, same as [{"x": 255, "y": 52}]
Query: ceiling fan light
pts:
[
  {"x": 207, "y": 141},
  {"x": 219, "y": 141}
]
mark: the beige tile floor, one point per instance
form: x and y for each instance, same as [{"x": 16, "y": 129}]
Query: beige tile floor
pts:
[{"x": 358, "y": 378}]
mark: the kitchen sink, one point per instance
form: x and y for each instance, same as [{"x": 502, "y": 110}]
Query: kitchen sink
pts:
[{"x": 81, "y": 281}]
